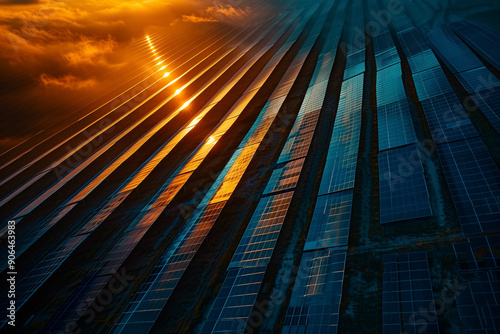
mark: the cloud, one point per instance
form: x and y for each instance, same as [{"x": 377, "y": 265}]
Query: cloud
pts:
[
  {"x": 89, "y": 51},
  {"x": 67, "y": 81},
  {"x": 196, "y": 19},
  {"x": 218, "y": 13}
]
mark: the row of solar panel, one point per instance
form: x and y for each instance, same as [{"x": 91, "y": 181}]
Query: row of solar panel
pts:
[
  {"x": 234, "y": 302},
  {"x": 402, "y": 188},
  {"x": 315, "y": 301}
]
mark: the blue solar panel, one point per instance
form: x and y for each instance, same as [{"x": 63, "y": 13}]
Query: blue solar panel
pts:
[
  {"x": 422, "y": 61},
  {"x": 489, "y": 103},
  {"x": 235, "y": 301},
  {"x": 387, "y": 58},
  {"x": 483, "y": 40},
  {"x": 403, "y": 191},
  {"x": 454, "y": 53},
  {"x": 342, "y": 157},
  {"x": 355, "y": 64},
  {"x": 407, "y": 294},
  {"x": 220, "y": 301},
  {"x": 331, "y": 220},
  {"x": 390, "y": 87},
  {"x": 431, "y": 83},
  {"x": 382, "y": 42},
  {"x": 474, "y": 182},
  {"x": 412, "y": 42},
  {"x": 447, "y": 119},
  {"x": 315, "y": 302},
  {"x": 257, "y": 244},
  {"x": 395, "y": 126},
  {"x": 478, "y": 79}
]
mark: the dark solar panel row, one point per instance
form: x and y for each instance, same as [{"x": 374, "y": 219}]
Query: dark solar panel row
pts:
[{"x": 315, "y": 301}]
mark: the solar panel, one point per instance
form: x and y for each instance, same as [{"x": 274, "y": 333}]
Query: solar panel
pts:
[
  {"x": 478, "y": 79},
  {"x": 447, "y": 119},
  {"x": 431, "y": 83},
  {"x": 483, "y": 41},
  {"x": 387, "y": 58},
  {"x": 382, "y": 43},
  {"x": 474, "y": 182},
  {"x": 355, "y": 64},
  {"x": 422, "y": 61},
  {"x": 390, "y": 87},
  {"x": 453, "y": 52},
  {"x": 235, "y": 301},
  {"x": 315, "y": 302},
  {"x": 342, "y": 156},
  {"x": 411, "y": 41},
  {"x": 395, "y": 126},
  {"x": 257, "y": 244},
  {"x": 407, "y": 297},
  {"x": 489, "y": 103},
  {"x": 330, "y": 221},
  {"x": 285, "y": 177},
  {"x": 403, "y": 191},
  {"x": 299, "y": 139}
]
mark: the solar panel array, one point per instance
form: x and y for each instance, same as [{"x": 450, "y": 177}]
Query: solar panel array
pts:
[
  {"x": 465, "y": 160},
  {"x": 481, "y": 40},
  {"x": 139, "y": 173},
  {"x": 471, "y": 174}
]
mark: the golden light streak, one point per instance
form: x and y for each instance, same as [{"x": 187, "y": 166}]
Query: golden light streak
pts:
[
  {"x": 166, "y": 74},
  {"x": 210, "y": 140},
  {"x": 185, "y": 105},
  {"x": 194, "y": 122},
  {"x": 160, "y": 62},
  {"x": 178, "y": 91},
  {"x": 162, "y": 68}
]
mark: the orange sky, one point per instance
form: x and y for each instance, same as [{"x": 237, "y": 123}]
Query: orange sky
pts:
[{"x": 68, "y": 43}]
